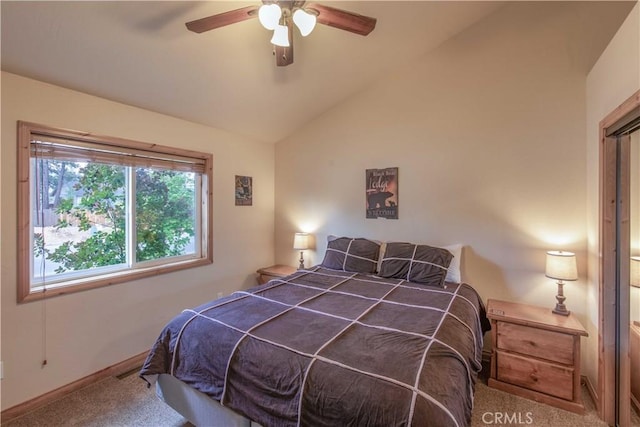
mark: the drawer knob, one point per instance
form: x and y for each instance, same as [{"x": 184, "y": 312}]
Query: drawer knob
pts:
[{"x": 533, "y": 376}]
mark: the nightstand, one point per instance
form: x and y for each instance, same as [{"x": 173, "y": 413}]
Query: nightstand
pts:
[
  {"x": 536, "y": 354},
  {"x": 273, "y": 272}
]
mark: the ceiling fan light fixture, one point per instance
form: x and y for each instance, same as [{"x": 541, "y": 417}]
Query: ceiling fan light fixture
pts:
[
  {"x": 278, "y": 16},
  {"x": 269, "y": 15},
  {"x": 280, "y": 36},
  {"x": 305, "y": 21}
]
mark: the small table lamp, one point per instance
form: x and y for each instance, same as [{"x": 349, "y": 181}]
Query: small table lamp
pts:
[
  {"x": 561, "y": 266},
  {"x": 634, "y": 276},
  {"x": 301, "y": 242}
]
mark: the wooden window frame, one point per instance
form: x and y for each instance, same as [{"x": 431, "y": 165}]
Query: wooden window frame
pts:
[{"x": 26, "y": 131}]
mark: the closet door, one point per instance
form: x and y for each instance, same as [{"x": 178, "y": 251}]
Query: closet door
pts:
[
  {"x": 623, "y": 267},
  {"x": 616, "y": 255},
  {"x": 619, "y": 241},
  {"x": 631, "y": 293}
]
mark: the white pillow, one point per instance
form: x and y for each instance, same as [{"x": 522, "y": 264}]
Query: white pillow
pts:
[
  {"x": 383, "y": 248},
  {"x": 453, "y": 273}
]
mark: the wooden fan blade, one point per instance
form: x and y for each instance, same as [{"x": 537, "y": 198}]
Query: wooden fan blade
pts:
[
  {"x": 344, "y": 20},
  {"x": 222, "y": 19},
  {"x": 284, "y": 55}
]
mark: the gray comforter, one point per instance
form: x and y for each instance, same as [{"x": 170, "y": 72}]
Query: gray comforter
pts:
[{"x": 327, "y": 348}]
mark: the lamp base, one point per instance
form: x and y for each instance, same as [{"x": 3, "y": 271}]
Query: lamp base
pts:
[
  {"x": 301, "y": 266},
  {"x": 561, "y": 309}
]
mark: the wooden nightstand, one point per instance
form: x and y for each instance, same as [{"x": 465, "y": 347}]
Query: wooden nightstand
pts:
[
  {"x": 536, "y": 354},
  {"x": 274, "y": 271}
]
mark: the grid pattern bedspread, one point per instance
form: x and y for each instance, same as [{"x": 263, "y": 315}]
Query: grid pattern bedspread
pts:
[{"x": 325, "y": 348}]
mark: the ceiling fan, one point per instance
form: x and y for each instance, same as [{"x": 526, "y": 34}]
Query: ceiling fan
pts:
[{"x": 281, "y": 15}]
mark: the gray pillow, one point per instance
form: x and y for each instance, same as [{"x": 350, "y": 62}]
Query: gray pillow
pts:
[
  {"x": 416, "y": 263},
  {"x": 355, "y": 255}
]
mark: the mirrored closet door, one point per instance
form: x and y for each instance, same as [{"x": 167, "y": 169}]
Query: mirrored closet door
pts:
[
  {"x": 619, "y": 300},
  {"x": 632, "y": 291}
]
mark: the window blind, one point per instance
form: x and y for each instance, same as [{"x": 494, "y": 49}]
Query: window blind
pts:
[{"x": 44, "y": 146}]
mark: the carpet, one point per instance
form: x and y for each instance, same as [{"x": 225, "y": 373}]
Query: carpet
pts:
[{"x": 126, "y": 401}]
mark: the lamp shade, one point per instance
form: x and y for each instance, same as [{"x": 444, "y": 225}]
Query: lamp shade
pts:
[
  {"x": 635, "y": 271},
  {"x": 561, "y": 265},
  {"x": 301, "y": 241},
  {"x": 281, "y": 36},
  {"x": 305, "y": 21},
  {"x": 269, "y": 15}
]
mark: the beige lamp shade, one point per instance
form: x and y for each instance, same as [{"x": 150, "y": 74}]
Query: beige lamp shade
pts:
[
  {"x": 561, "y": 265},
  {"x": 634, "y": 275},
  {"x": 301, "y": 241}
]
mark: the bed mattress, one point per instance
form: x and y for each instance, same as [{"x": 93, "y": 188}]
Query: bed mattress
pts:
[{"x": 326, "y": 347}]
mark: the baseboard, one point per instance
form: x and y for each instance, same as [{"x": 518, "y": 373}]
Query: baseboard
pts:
[
  {"x": 114, "y": 370},
  {"x": 592, "y": 391}
]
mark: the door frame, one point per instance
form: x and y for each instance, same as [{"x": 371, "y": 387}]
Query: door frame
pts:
[{"x": 611, "y": 198}]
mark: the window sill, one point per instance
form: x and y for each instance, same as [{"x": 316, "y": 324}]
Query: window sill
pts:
[{"x": 79, "y": 285}]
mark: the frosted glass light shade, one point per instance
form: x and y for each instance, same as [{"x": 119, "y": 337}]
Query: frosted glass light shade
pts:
[
  {"x": 305, "y": 21},
  {"x": 281, "y": 36},
  {"x": 301, "y": 241},
  {"x": 561, "y": 265},
  {"x": 269, "y": 15}
]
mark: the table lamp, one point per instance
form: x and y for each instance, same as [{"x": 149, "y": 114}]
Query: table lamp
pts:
[
  {"x": 301, "y": 242},
  {"x": 561, "y": 266}
]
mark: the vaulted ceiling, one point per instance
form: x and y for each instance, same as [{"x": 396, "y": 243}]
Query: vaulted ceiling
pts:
[{"x": 141, "y": 54}]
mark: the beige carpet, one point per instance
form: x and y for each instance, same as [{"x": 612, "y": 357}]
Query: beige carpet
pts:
[
  {"x": 127, "y": 402},
  {"x": 492, "y": 405},
  {"x": 109, "y": 403}
]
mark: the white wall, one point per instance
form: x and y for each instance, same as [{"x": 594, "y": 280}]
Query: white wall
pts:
[
  {"x": 488, "y": 133},
  {"x": 91, "y": 330},
  {"x": 613, "y": 79}
]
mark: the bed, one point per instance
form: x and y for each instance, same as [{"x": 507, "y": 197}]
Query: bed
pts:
[{"x": 329, "y": 346}]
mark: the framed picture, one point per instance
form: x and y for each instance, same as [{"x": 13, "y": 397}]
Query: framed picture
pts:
[
  {"x": 382, "y": 193},
  {"x": 244, "y": 190}
]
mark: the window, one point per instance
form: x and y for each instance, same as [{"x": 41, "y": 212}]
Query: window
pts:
[{"x": 96, "y": 211}]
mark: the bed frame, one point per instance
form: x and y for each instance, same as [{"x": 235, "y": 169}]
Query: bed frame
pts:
[{"x": 197, "y": 407}]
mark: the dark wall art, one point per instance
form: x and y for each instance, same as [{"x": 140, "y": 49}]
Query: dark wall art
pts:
[
  {"x": 382, "y": 193},
  {"x": 244, "y": 190}
]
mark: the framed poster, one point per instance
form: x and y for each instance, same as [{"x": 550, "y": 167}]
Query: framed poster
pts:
[
  {"x": 244, "y": 190},
  {"x": 382, "y": 193}
]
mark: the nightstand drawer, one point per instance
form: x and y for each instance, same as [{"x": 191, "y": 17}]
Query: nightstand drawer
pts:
[
  {"x": 549, "y": 345},
  {"x": 548, "y": 378}
]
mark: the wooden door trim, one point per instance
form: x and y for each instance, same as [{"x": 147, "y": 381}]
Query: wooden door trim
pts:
[{"x": 606, "y": 281}]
